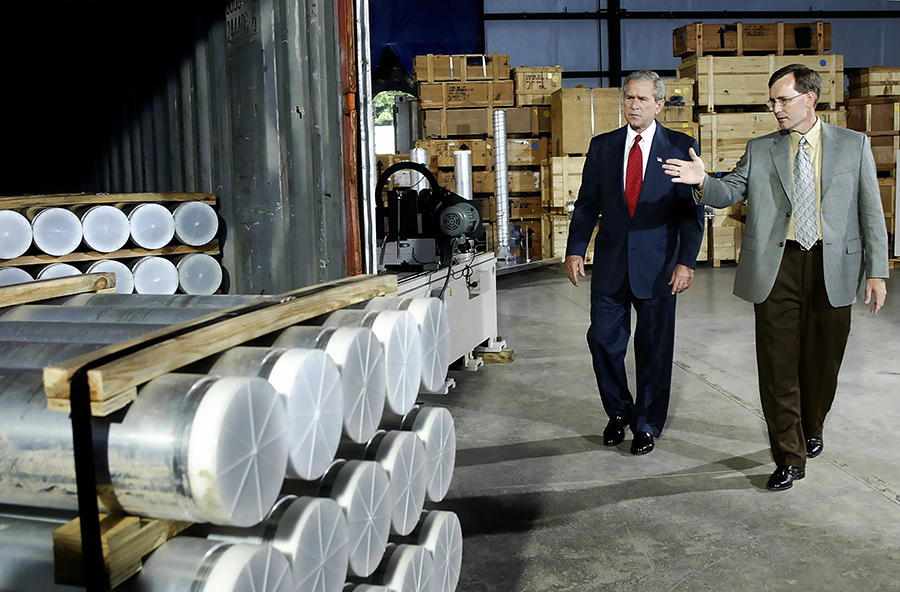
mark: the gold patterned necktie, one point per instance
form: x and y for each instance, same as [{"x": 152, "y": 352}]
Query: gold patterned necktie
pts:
[{"x": 806, "y": 216}]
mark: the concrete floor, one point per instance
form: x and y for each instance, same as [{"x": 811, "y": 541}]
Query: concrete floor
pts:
[{"x": 546, "y": 507}]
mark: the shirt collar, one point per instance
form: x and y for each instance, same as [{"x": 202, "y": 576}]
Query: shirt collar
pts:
[
  {"x": 813, "y": 136},
  {"x": 647, "y": 134}
]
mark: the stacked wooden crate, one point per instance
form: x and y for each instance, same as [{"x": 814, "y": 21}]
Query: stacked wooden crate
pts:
[
  {"x": 874, "y": 109},
  {"x": 731, "y": 90},
  {"x": 457, "y": 99}
]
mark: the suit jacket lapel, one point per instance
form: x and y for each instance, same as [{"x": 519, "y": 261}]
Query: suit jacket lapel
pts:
[
  {"x": 653, "y": 174},
  {"x": 830, "y": 152},
  {"x": 781, "y": 156},
  {"x": 616, "y": 156}
]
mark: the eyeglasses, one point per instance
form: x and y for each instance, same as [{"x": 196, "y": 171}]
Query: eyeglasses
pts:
[{"x": 782, "y": 102}]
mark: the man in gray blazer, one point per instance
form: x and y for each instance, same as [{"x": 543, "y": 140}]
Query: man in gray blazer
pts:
[{"x": 815, "y": 229}]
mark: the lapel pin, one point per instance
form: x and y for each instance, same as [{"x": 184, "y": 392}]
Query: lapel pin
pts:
[{"x": 658, "y": 159}]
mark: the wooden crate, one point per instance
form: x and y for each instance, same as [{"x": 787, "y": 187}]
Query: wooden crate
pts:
[
  {"x": 463, "y": 67},
  {"x": 878, "y": 118},
  {"x": 724, "y": 136},
  {"x": 459, "y": 95},
  {"x": 874, "y": 82},
  {"x": 679, "y": 91},
  {"x": 562, "y": 180},
  {"x": 440, "y": 152},
  {"x": 535, "y": 85},
  {"x": 744, "y": 80},
  {"x": 690, "y": 128},
  {"x": 520, "y": 180},
  {"x": 521, "y": 207},
  {"x": 676, "y": 114},
  {"x": 526, "y": 152},
  {"x": 589, "y": 254},
  {"x": 451, "y": 123},
  {"x": 398, "y": 179},
  {"x": 743, "y": 38},
  {"x": 535, "y": 251},
  {"x": 888, "y": 189},
  {"x": 579, "y": 114},
  {"x": 703, "y": 253},
  {"x": 555, "y": 234}
]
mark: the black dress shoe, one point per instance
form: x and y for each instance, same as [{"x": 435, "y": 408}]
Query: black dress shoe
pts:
[
  {"x": 814, "y": 446},
  {"x": 614, "y": 432},
  {"x": 784, "y": 477},
  {"x": 642, "y": 443}
]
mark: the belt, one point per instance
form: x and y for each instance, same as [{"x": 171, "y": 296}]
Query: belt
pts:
[{"x": 793, "y": 243}]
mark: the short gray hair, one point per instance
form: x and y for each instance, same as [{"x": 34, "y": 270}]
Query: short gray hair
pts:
[{"x": 659, "y": 87}]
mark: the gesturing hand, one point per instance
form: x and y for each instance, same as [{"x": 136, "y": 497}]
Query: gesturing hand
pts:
[{"x": 690, "y": 172}]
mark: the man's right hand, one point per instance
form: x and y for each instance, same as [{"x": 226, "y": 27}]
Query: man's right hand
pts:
[
  {"x": 689, "y": 172},
  {"x": 574, "y": 265}
]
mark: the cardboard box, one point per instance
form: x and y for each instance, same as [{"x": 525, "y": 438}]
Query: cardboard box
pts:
[
  {"x": 463, "y": 67},
  {"x": 535, "y": 85},
  {"x": 724, "y": 80},
  {"x": 459, "y": 95},
  {"x": 579, "y": 114},
  {"x": 739, "y": 38},
  {"x": 448, "y": 123}
]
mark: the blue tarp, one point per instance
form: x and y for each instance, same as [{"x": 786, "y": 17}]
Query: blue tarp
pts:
[{"x": 410, "y": 28}]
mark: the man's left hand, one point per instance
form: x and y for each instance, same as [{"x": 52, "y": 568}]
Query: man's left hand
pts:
[
  {"x": 878, "y": 287},
  {"x": 682, "y": 277}
]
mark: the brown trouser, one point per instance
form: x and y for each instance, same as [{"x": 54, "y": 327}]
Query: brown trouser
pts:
[{"x": 800, "y": 341}]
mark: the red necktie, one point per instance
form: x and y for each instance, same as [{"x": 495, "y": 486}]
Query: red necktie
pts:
[{"x": 634, "y": 176}]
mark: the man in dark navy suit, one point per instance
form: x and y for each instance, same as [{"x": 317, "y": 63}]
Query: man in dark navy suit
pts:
[{"x": 645, "y": 254}]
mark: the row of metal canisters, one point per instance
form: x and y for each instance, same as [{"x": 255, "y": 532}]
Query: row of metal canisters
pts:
[{"x": 307, "y": 447}]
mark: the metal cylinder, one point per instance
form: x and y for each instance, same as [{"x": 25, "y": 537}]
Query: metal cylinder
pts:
[
  {"x": 436, "y": 429},
  {"x": 405, "y": 568},
  {"x": 154, "y": 275},
  {"x": 360, "y": 358},
  {"x": 462, "y": 170},
  {"x": 196, "y": 223},
  {"x": 15, "y": 236},
  {"x": 193, "y": 448},
  {"x": 362, "y": 489},
  {"x": 57, "y": 270},
  {"x": 26, "y": 556},
  {"x": 198, "y": 273},
  {"x": 441, "y": 533},
  {"x": 52, "y": 332},
  {"x": 311, "y": 532},
  {"x": 417, "y": 180},
  {"x": 434, "y": 331},
  {"x": 202, "y": 565},
  {"x": 124, "y": 277},
  {"x": 210, "y": 301},
  {"x": 105, "y": 228},
  {"x": 309, "y": 384},
  {"x": 501, "y": 186},
  {"x": 57, "y": 231},
  {"x": 152, "y": 225},
  {"x": 78, "y": 314},
  {"x": 31, "y": 355},
  {"x": 398, "y": 333},
  {"x": 14, "y": 275},
  {"x": 402, "y": 455}
]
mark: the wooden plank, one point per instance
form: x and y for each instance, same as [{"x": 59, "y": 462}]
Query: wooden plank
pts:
[
  {"x": 66, "y": 199},
  {"x": 126, "y": 540},
  {"x": 231, "y": 328},
  {"x": 212, "y": 248},
  {"x": 504, "y": 356},
  {"x": 56, "y": 288}
]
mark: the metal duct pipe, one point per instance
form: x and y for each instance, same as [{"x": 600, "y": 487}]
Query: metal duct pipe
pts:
[
  {"x": 198, "y": 273},
  {"x": 501, "y": 186},
  {"x": 362, "y": 489},
  {"x": 152, "y": 225},
  {"x": 309, "y": 384},
  {"x": 434, "y": 331},
  {"x": 310, "y": 531},
  {"x": 360, "y": 358},
  {"x": 398, "y": 333},
  {"x": 435, "y": 427},
  {"x": 57, "y": 231},
  {"x": 439, "y": 532},
  {"x": 16, "y": 237},
  {"x": 14, "y": 275},
  {"x": 196, "y": 223},
  {"x": 462, "y": 170},
  {"x": 409, "y": 568},
  {"x": 48, "y": 331},
  {"x": 154, "y": 275},
  {"x": 402, "y": 455},
  {"x": 417, "y": 179},
  {"x": 124, "y": 277},
  {"x": 80, "y": 314},
  {"x": 194, "y": 448},
  {"x": 104, "y": 228},
  {"x": 211, "y": 301},
  {"x": 202, "y": 565}
]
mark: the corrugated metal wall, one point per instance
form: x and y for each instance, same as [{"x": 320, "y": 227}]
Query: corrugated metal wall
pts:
[{"x": 239, "y": 98}]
